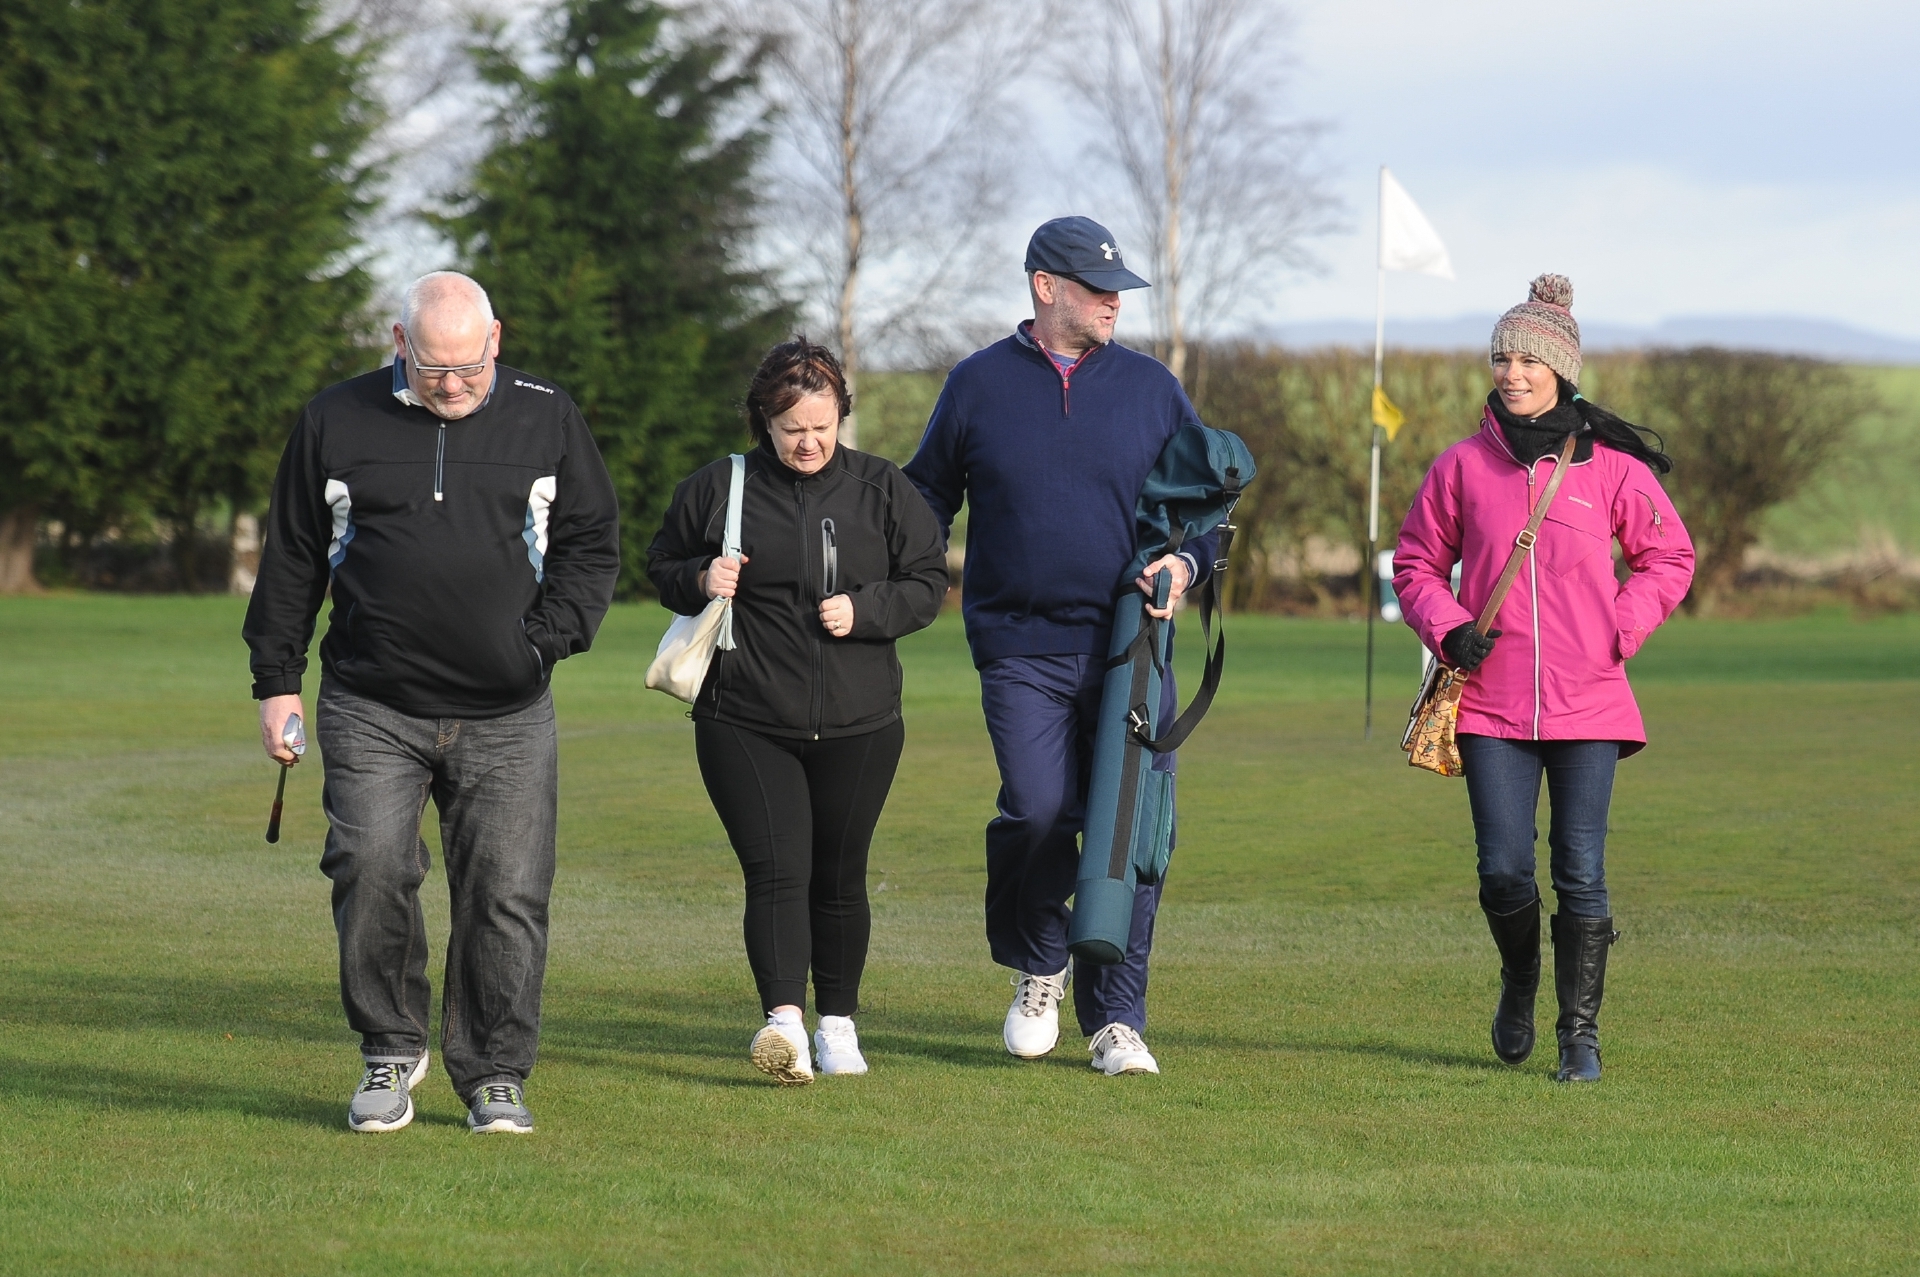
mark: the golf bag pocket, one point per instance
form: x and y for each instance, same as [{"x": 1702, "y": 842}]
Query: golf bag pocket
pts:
[{"x": 1153, "y": 829}]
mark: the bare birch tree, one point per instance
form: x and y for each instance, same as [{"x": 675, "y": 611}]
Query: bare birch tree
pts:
[
  {"x": 1186, "y": 94},
  {"x": 894, "y": 138},
  {"x": 429, "y": 101}
]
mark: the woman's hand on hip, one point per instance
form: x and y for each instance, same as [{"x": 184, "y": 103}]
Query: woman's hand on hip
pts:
[
  {"x": 722, "y": 577},
  {"x": 836, "y": 615}
]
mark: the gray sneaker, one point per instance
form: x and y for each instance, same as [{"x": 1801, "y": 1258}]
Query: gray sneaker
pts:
[
  {"x": 384, "y": 1099},
  {"x": 500, "y": 1106}
]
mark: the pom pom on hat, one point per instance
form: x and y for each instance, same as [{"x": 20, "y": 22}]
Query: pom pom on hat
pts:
[
  {"x": 1554, "y": 290},
  {"x": 1543, "y": 326}
]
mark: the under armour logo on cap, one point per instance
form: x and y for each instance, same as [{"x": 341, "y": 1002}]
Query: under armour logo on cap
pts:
[{"x": 1081, "y": 249}]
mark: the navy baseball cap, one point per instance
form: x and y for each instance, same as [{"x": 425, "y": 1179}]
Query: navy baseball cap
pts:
[{"x": 1081, "y": 248}]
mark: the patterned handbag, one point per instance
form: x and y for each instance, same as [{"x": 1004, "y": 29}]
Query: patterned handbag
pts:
[{"x": 1429, "y": 742}]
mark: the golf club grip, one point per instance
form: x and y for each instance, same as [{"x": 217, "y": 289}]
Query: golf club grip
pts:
[{"x": 279, "y": 796}]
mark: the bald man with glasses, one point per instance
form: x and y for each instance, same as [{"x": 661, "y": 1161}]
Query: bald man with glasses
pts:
[{"x": 462, "y": 518}]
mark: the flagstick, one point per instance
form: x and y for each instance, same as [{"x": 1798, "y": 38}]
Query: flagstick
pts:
[{"x": 1371, "y": 573}]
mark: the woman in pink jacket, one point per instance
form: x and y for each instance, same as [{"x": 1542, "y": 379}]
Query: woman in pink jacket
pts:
[{"x": 1551, "y": 695}]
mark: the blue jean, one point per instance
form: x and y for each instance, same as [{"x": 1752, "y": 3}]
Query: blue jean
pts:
[
  {"x": 1503, "y": 787},
  {"x": 1042, "y": 712},
  {"x": 495, "y": 781}
]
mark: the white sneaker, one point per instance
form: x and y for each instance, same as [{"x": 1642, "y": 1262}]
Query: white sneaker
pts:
[
  {"x": 836, "y": 1047},
  {"x": 1118, "y": 1049},
  {"x": 1033, "y": 1021},
  {"x": 780, "y": 1051}
]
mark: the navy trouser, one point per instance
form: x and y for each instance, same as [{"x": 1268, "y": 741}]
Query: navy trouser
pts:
[
  {"x": 1041, "y": 713},
  {"x": 1503, "y": 786}
]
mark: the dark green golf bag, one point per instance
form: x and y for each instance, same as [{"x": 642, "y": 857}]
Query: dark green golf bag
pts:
[{"x": 1128, "y": 835}]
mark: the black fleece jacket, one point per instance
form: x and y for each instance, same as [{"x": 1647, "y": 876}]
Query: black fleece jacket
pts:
[
  {"x": 465, "y": 557},
  {"x": 787, "y": 676}
]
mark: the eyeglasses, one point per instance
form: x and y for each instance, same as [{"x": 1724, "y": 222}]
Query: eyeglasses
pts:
[{"x": 438, "y": 372}]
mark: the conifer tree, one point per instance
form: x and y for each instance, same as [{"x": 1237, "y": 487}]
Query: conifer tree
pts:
[
  {"x": 178, "y": 194},
  {"x": 608, "y": 224}
]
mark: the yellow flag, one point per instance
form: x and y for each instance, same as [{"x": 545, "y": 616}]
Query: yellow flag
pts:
[{"x": 1385, "y": 415}]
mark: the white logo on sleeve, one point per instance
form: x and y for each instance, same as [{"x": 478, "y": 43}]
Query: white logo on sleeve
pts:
[
  {"x": 340, "y": 501},
  {"x": 539, "y": 501}
]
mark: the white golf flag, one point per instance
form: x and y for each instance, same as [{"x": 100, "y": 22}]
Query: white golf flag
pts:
[{"x": 1407, "y": 239}]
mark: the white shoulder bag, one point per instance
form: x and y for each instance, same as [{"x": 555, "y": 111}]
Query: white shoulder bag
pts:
[{"x": 686, "y": 650}]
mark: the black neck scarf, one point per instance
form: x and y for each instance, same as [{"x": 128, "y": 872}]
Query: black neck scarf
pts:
[{"x": 1532, "y": 438}]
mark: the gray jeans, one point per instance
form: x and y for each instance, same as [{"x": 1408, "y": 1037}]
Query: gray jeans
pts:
[{"x": 494, "y": 781}]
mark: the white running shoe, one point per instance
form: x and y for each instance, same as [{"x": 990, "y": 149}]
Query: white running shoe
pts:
[
  {"x": 836, "y": 1047},
  {"x": 1033, "y": 1021},
  {"x": 1118, "y": 1049},
  {"x": 780, "y": 1051}
]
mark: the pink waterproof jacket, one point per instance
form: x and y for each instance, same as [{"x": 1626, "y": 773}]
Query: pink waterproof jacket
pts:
[{"x": 1567, "y": 628}]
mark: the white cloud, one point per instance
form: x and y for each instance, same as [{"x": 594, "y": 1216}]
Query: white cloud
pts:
[
  {"x": 1642, "y": 244},
  {"x": 1674, "y": 158}
]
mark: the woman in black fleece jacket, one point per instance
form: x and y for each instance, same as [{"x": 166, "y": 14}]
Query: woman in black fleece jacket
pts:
[{"x": 798, "y": 728}]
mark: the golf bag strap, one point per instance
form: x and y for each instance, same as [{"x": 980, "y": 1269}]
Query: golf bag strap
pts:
[
  {"x": 1523, "y": 544},
  {"x": 1211, "y": 600}
]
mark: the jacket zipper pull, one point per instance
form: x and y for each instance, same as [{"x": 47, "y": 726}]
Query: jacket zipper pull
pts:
[{"x": 439, "y": 464}]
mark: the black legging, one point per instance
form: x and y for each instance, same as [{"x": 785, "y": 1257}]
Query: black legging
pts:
[{"x": 800, "y": 815}]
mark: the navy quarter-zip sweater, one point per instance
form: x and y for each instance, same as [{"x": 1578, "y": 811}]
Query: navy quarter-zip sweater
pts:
[{"x": 1050, "y": 464}]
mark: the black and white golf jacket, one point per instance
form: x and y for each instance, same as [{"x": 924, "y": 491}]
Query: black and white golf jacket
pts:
[{"x": 465, "y": 557}]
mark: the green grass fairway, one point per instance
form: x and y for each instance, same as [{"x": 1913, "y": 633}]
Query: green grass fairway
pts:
[{"x": 174, "y": 1065}]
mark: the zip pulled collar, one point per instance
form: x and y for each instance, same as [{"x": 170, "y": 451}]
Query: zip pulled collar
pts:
[
  {"x": 1024, "y": 335},
  {"x": 404, "y": 393}
]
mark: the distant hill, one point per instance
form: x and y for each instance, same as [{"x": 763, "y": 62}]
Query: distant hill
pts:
[{"x": 1785, "y": 334}]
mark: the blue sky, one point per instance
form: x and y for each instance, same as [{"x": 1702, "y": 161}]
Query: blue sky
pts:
[{"x": 1690, "y": 157}]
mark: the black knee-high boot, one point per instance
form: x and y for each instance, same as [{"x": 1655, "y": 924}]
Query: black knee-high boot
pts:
[
  {"x": 1517, "y": 936},
  {"x": 1580, "y": 979}
]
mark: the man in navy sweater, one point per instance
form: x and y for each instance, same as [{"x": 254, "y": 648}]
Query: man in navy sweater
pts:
[{"x": 1048, "y": 436}]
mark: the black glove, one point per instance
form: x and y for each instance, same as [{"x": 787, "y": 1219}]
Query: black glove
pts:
[{"x": 1465, "y": 647}]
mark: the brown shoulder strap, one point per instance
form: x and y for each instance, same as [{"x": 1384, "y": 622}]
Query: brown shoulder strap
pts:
[{"x": 1523, "y": 543}]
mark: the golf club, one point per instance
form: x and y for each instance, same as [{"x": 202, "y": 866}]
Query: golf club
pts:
[{"x": 294, "y": 737}]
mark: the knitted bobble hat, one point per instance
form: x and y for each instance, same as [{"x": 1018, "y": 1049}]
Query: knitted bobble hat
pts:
[{"x": 1543, "y": 326}]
